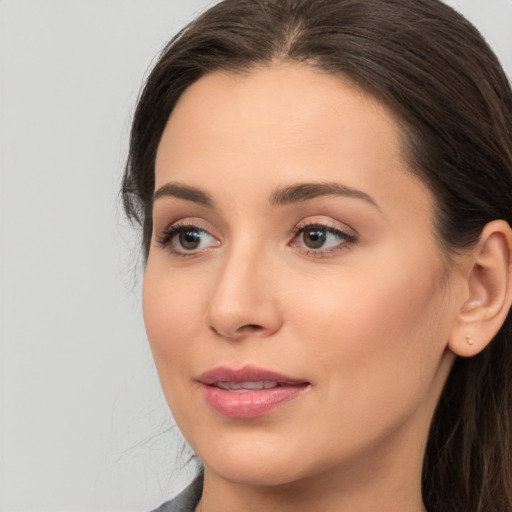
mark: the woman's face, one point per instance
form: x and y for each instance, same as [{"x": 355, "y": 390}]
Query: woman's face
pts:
[{"x": 297, "y": 304}]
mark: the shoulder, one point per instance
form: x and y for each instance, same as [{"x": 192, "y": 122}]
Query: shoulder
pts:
[{"x": 187, "y": 500}]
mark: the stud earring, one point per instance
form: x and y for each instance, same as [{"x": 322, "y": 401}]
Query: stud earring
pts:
[{"x": 469, "y": 340}]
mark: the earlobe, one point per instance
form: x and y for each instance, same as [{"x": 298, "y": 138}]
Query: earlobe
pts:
[{"x": 489, "y": 291}]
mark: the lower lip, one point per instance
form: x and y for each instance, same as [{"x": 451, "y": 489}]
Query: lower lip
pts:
[{"x": 251, "y": 403}]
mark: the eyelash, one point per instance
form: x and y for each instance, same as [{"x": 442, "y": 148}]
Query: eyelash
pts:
[
  {"x": 347, "y": 239},
  {"x": 166, "y": 239}
]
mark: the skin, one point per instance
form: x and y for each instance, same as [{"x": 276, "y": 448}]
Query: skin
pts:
[{"x": 366, "y": 320}]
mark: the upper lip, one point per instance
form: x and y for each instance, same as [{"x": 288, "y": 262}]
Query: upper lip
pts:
[{"x": 246, "y": 374}]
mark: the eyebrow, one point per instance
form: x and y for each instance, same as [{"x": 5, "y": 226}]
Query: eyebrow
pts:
[
  {"x": 305, "y": 191},
  {"x": 281, "y": 197},
  {"x": 185, "y": 192}
]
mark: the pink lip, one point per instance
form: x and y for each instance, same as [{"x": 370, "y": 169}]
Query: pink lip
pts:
[{"x": 250, "y": 403}]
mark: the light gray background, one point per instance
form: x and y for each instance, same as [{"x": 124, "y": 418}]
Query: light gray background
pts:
[{"x": 81, "y": 411}]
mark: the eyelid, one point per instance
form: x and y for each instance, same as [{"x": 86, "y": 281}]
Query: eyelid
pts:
[
  {"x": 193, "y": 222},
  {"x": 327, "y": 223}
]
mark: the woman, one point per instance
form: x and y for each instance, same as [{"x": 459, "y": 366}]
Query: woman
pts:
[{"x": 325, "y": 192}]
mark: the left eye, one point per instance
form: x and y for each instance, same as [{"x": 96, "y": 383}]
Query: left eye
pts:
[
  {"x": 321, "y": 237},
  {"x": 191, "y": 239}
]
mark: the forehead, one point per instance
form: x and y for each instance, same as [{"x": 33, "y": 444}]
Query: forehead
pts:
[
  {"x": 296, "y": 103},
  {"x": 283, "y": 124}
]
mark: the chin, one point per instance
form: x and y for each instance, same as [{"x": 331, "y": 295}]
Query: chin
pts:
[
  {"x": 257, "y": 473},
  {"x": 256, "y": 460}
]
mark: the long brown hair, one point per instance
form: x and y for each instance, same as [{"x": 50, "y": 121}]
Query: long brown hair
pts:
[{"x": 433, "y": 69}]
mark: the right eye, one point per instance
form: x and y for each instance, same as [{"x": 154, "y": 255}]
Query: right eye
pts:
[{"x": 186, "y": 240}]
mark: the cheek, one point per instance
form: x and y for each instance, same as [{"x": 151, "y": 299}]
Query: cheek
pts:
[
  {"x": 374, "y": 342},
  {"x": 380, "y": 324},
  {"x": 172, "y": 316}
]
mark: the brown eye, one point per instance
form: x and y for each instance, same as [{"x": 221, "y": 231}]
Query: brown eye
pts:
[
  {"x": 187, "y": 240},
  {"x": 190, "y": 239},
  {"x": 322, "y": 240},
  {"x": 314, "y": 238}
]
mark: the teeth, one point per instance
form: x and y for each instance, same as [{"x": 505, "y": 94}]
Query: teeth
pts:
[{"x": 234, "y": 386}]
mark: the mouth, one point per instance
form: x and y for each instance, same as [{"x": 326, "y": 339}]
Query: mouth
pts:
[
  {"x": 248, "y": 392},
  {"x": 242, "y": 387}
]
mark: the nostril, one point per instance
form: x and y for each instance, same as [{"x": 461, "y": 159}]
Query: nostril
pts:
[
  {"x": 215, "y": 331},
  {"x": 249, "y": 328},
  {"x": 241, "y": 331}
]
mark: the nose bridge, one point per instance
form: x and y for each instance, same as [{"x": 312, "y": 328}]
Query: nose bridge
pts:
[{"x": 243, "y": 300}]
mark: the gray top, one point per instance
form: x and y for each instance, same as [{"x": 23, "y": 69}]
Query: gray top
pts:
[{"x": 187, "y": 500}]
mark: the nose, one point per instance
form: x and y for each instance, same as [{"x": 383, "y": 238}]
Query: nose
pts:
[{"x": 244, "y": 301}]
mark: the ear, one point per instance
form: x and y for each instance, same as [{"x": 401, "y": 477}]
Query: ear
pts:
[{"x": 488, "y": 291}]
